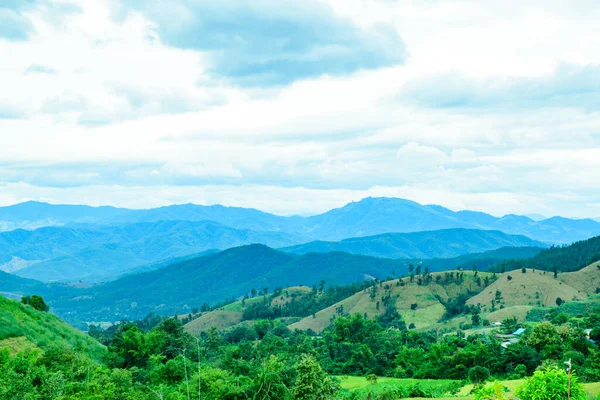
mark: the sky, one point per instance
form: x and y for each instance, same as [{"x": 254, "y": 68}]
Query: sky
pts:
[{"x": 297, "y": 107}]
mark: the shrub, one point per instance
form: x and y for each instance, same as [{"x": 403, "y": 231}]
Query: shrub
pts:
[
  {"x": 36, "y": 302},
  {"x": 550, "y": 384},
  {"x": 493, "y": 392},
  {"x": 478, "y": 374}
]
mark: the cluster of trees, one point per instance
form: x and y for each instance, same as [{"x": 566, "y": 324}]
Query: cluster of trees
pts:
[{"x": 166, "y": 363}]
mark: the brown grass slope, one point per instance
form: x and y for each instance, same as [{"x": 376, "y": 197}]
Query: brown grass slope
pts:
[
  {"x": 429, "y": 298},
  {"x": 537, "y": 288}
]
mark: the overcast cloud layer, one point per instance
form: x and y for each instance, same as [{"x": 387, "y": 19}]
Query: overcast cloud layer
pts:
[{"x": 298, "y": 107}]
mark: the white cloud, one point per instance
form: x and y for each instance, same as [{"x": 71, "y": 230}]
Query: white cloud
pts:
[{"x": 112, "y": 115}]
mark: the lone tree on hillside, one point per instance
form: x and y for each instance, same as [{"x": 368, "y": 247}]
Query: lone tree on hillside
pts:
[
  {"x": 478, "y": 374},
  {"x": 36, "y": 302}
]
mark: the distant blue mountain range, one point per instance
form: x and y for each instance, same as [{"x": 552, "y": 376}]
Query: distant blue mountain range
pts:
[
  {"x": 70, "y": 243},
  {"x": 370, "y": 216}
]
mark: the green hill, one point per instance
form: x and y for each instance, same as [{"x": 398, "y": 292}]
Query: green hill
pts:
[
  {"x": 21, "y": 326},
  {"x": 210, "y": 279},
  {"x": 562, "y": 258},
  {"x": 430, "y": 244}
]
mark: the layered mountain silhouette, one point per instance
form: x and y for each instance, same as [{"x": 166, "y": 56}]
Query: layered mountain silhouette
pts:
[
  {"x": 368, "y": 217},
  {"x": 446, "y": 243},
  {"x": 98, "y": 244}
]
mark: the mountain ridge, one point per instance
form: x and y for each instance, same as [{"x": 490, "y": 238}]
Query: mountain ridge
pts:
[
  {"x": 445, "y": 243},
  {"x": 367, "y": 217}
]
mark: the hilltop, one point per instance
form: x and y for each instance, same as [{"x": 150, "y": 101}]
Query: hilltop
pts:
[
  {"x": 421, "y": 302},
  {"x": 233, "y": 314},
  {"x": 193, "y": 281}
]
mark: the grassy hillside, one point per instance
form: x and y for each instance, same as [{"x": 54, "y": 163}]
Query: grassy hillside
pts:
[
  {"x": 537, "y": 288},
  {"x": 531, "y": 289},
  {"x": 232, "y": 314},
  {"x": 23, "y": 327},
  {"x": 430, "y": 302},
  {"x": 430, "y": 244},
  {"x": 586, "y": 279}
]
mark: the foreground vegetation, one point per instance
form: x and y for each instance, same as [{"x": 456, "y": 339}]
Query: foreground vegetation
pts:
[{"x": 353, "y": 358}]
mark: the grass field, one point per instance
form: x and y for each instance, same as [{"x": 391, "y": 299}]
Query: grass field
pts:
[{"x": 362, "y": 386}]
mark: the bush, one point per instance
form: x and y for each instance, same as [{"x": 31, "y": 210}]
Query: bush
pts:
[
  {"x": 36, "y": 302},
  {"x": 520, "y": 371},
  {"x": 550, "y": 384},
  {"x": 493, "y": 392},
  {"x": 478, "y": 374}
]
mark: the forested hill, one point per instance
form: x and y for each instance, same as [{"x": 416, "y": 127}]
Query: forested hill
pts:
[
  {"x": 444, "y": 243},
  {"x": 562, "y": 258},
  {"x": 212, "y": 278}
]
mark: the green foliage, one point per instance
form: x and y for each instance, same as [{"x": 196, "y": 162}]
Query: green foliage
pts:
[
  {"x": 542, "y": 336},
  {"x": 478, "y": 374},
  {"x": 560, "y": 258},
  {"x": 36, "y": 302},
  {"x": 42, "y": 329},
  {"x": 263, "y": 359},
  {"x": 551, "y": 384},
  {"x": 312, "y": 382},
  {"x": 494, "y": 392}
]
